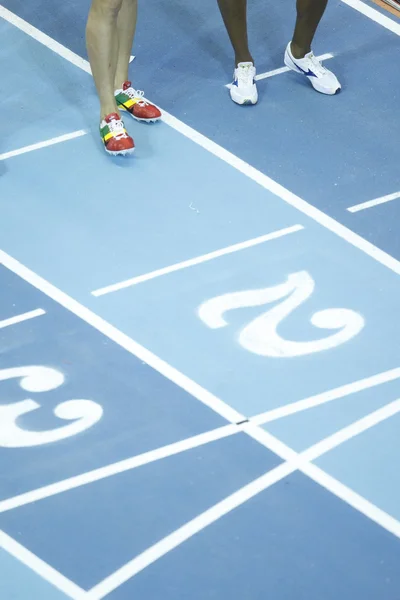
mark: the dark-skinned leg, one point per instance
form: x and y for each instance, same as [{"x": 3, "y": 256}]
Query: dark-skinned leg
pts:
[
  {"x": 234, "y": 15},
  {"x": 309, "y": 15}
]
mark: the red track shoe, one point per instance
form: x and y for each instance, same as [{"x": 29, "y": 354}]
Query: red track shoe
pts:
[
  {"x": 133, "y": 101},
  {"x": 115, "y": 137}
]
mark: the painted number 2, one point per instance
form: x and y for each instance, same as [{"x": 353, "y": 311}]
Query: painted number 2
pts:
[
  {"x": 261, "y": 337},
  {"x": 82, "y": 413}
]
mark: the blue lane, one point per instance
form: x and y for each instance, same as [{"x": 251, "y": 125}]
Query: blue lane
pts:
[
  {"x": 89, "y": 532},
  {"x": 18, "y": 582},
  {"x": 163, "y": 315},
  {"x": 295, "y": 540},
  {"x": 141, "y": 409},
  {"x": 334, "y": 152}
]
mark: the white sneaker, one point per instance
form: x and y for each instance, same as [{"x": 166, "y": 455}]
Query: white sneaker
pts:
[
  {"x": 322, "y": 80},
  {"x": 243, "y": 90}
]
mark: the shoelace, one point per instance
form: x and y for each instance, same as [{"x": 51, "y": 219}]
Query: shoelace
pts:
[
  {"x": 245, "y": 75},
  {"x": 117, "y": 127},
  {"x": 134, "y": 94},
  {"x": 314, "y": 65}
]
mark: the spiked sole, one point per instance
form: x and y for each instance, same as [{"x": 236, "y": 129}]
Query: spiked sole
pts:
[{"x": 120, "y": 152}]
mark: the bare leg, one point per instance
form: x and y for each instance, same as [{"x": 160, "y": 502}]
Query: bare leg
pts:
[
  {"x": 309, "y": 14},
  {"x": 102, "y": 43},
  {"x": 126, "y": 32},
  {"x": 234, "y": 14}
]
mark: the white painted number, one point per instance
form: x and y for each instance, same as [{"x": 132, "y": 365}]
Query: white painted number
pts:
[
  {"x": 261, "y": 336},
  {"x": 82, "y": 413}
]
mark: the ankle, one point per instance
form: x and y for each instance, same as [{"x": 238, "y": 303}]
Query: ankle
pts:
[
  {"x": 119, "y": 82},
  {"x": 108, "y": 110},
  {"x": 242, "y": 58},
  {"x": 298, "y": 51}
]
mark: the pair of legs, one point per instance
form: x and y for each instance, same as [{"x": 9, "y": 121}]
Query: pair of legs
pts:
[
  {"x": 234, "y": 14},
  {"x": 298, "y": 56},
  {"x": 109, "y": 35}
]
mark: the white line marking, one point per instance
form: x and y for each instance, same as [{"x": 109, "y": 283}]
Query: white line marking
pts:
[
  {"x": 269, "y": 74},
  {"x": 23, "y": 317},
  {"x": 282, "y": 70},
  {"x": 56, "y": 140},
  {"x": 263, "y": 180},
  {"x": 374, "y": 15},
  {"x": 198, "y": 260},
  {"x": 370, "y": 203},
  {"x": 328, "y": 396},
  {"x": 41, "y": 568},
  {"x": 122, "y": 339},
  {"x": 119, "y": 467},
  {"x": 293, "y": 462}
]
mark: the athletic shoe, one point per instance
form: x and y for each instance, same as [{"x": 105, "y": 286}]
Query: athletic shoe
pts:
[
  {"x": 322, "y": 80},
  {"x": 115, "y": 137},
  {"x": 243, "y": 90},
  {"x": 139, "y": 108}
]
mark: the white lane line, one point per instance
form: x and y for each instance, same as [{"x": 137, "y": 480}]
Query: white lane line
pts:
[
  {"x": 282, "y": 70},
  {"x": 374, "y": 15},
  {"x": 51, "y": 142},
  {"x": 70, "y": 589},
  {"x": 293, "y": 462},
  {"x": 198, "y": 260},
  {"x": 376, "y": 202},
  {"x": 328, "y": 396},
  {"x": 263, "y": 180},
  {"x": 118, "y": 467},
  {"x": 32, "y": 314}
]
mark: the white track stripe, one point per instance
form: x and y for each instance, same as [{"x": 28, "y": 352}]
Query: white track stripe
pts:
[
  {"x": 198, "y": 260},
  {"x": 51, "y": 142},
  {"x": 376, "y": 202},
  {"x": 32, "y": 314}
]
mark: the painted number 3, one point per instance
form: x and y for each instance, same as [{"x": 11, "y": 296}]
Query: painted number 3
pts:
[
  {"x": 261, "y": 337},
  {"x": 38, "y": 379}
]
